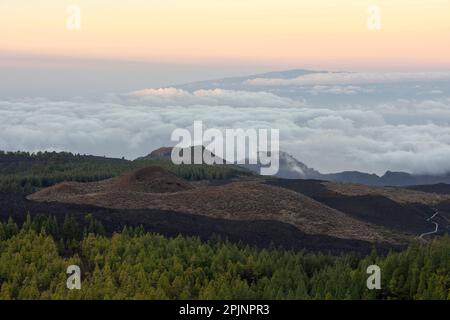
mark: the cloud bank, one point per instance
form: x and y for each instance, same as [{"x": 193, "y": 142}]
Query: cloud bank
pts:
[
  {"x": 352, "y": 78},
  {"x": 405, "y": 135},
  {"x": 214, "y": 97}
]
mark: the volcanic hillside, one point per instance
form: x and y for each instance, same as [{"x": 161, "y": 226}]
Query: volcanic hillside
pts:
[
  {"x": 394, "y": 208},
  {"x": 347, "y": 211},
  {"x": 156, "y": 188},
  {"x": 151, "y": 179}
]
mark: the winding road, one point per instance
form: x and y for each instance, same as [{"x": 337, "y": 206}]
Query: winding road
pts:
[{"x": 435, "y": 223}]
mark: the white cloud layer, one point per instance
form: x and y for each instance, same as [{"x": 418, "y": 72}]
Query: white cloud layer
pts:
[
  {"x": 214, "y": 97},
  {"x": 403, "y": 135},
  {"x": 347, "y": 90},
  {"x": 349, "y": 78}
]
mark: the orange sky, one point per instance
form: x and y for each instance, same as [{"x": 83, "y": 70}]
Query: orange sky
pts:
[{"x": 414, "y": 34}]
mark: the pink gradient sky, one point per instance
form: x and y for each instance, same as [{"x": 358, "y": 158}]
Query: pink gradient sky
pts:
[{"x": 331, "y": 34}]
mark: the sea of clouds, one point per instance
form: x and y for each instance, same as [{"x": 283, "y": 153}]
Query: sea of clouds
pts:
[{"x": 410, "y": 134}]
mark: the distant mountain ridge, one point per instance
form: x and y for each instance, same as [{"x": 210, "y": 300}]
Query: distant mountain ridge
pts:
[
  {"x": 291, "y": 168},
  {"x": 165, "y": 153},
  {"x": 237, "y": 83}
]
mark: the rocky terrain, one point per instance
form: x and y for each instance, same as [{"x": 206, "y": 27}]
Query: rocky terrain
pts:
[{"x": 345, "y": 211}]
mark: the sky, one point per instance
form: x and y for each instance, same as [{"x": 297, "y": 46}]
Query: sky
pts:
[
  {"x": 112, "y": 85},
  {"x": 413, "y": 33},
  {"x": 223, "y": 36}
]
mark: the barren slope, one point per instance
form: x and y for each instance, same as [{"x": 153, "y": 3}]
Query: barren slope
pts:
[
  {"x": 246, "y": 200},
  {"x": 396, "y": 194}
]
